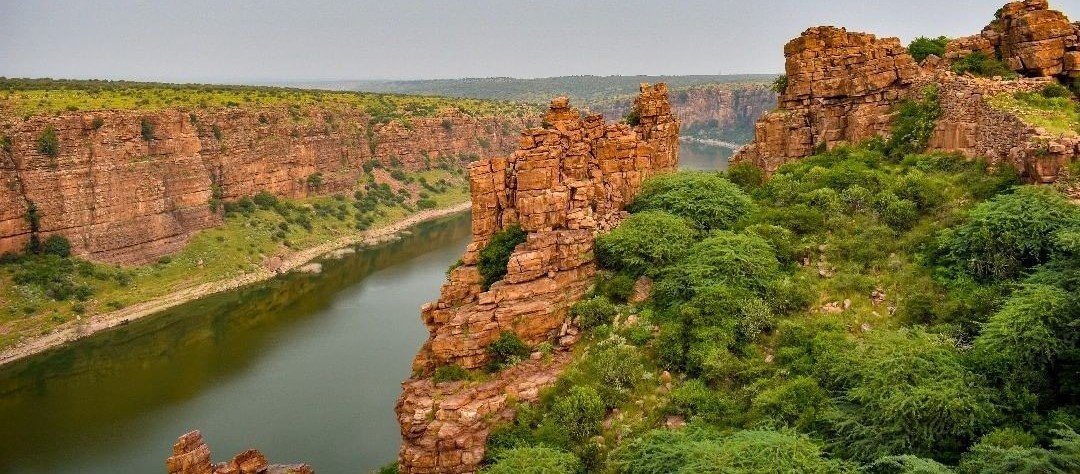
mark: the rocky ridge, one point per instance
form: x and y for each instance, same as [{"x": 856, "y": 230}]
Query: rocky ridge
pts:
[
  {"x": 191, "y": 455},
  {"x": 122, "y": 198},
  {"x": 565, "y": 183},
  {"x": 843, "y": 88}
]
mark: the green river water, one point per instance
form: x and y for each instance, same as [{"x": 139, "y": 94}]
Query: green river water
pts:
[{"x": 305, "y": 368}]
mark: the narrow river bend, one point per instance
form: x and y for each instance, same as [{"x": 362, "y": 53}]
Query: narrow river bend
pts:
[{"x": 304, "y": 367}]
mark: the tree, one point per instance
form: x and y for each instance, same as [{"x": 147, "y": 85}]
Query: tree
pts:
[
  {"x": 495, "y": 255},
  {"x": 645, "y": 242},
  {"x": 48, "y": 142},
  {"x": 707, "y": 199},
  {"x": 533, "y": 460}
]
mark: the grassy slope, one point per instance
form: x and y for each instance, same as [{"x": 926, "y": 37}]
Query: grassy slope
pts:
[{"x": 1059, "y": 116}]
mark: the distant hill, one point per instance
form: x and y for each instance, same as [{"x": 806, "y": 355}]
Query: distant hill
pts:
[{"x": 581, "y": 89}]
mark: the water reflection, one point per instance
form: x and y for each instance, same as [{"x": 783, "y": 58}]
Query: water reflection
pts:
[
  {"x": 698, "y": 156},
  {"x": 304, "y": 367}
]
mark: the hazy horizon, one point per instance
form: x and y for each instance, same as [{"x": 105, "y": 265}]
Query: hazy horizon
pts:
[{"x": 265, "y": 42}]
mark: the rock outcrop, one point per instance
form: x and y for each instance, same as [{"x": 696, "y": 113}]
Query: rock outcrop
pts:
[
  {"x": 122, "y": 198},
  {"x": 843, "y": 87},
  {"x": 565, "y": 183},
  {"x": 191, "y": 455}
]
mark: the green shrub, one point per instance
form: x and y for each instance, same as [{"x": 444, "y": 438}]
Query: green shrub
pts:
[
  {"x": 314, "y": 181},
  {"x": 612, "y": 367},
  {"x": 1009, "y": 233},
  {"x": 578, "y": 413},
  {"x": 979, "y": 63},
  {"x": 698, "y": 403},
  {"x": 426, "y": 203},
  {"x": 723, "y": 259},
  {"x": 495, "y": 255},
  {"x": 1056, "y": 90},
  {"x": 906, "y": 464},
  {"x": 794, "y": 403},
  {"x": 505, "y": 351},
  {"x": 922, "y": 47},
  {"x": 632, "y": 117},
  {"x": 593, "y": 312},
  {"x": 686, "y": 451},
  {"x": 57, "y": 245},
  {"x": 707, "y": 199},
  {"x": 533, "y": 460},
  {"x": 216, "y": 130},
  {"x": 644, "y": 241},
  {"x": 989, "y": 458},
  {"x": 617, "y": 287},
  {"x": 146, "y": 129},
  {"x": 913, "y": 124},
  {"x": 779, "y": 85},
  {"x": 5, "y": 143},
  {"x": 449, "y": 373},
  {"x": 97, "y": 123},
  {"x": 745, "y": 175},
  {"x": 48, "y": 143},
  {"x": 398, "y": 175}
]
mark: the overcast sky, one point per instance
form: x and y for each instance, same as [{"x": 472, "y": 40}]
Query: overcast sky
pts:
[{"x": 221, "y": 40}]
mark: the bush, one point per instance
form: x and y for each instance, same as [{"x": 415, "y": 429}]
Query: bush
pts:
[
  {"x": 97, "y": 123},
  {"x": 57, "y": 245},
  {"x": 979, "y": 64},
  {"x": 698, "y": 451},
  {"x": 906, "y": 464},
  {"x": 265, "y": 200},
  {"x": 1009, "y": 233},
  {"x": 449, "y": 373},
  {"x": 618, "y": 287},
  {"x": 48, "y": 142},
  {"x": 146, "y": 129},
  {"x": 745, "y": 175},
  {"x": 593, "y": 312},
  {"x": 632, "y": 117},
  {"x": 1055, "y": 90},
  {"x": 398, "y": 175},
  {"x": 216, "y": 130},
  {"x": 707, "y": 199},
  {"x": 989, "y": 458},
  {"x": 724, "y": 259},
  {"x": 533, "y": 460},
  {"x": 495, "y": 255},
  {"x": 426, "y": 203},
  {"x": 505, "y": 351},
  {"x": 780, "y": 84},
  {"x": 578, "y": 413},
  {"x": 922, "y": 47},
  {"x": 644, "y": 242},
  {"x": 913, "y": 124}
]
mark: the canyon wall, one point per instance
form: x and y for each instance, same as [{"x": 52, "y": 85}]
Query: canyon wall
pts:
[
  {"x": 122, "y": 198},
  {"x": 716, "y": 110},
  {"x": 843, "y": 87},
  {"x": 565, "y": 183}
]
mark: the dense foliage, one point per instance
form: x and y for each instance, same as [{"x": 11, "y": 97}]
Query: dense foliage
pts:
[
  {"x": 866, "y": 309},
  {"x": 922, "y": 47}
]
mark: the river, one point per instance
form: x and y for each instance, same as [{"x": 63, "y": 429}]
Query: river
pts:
[
  {"x": 698, "y": 156},
  {"x": 304, "y": 367}
]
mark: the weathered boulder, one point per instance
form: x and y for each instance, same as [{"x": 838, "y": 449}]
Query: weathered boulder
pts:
[{"x": 191, "y": 455}]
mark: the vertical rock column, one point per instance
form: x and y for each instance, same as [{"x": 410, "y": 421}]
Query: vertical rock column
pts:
[{"x": 566, "y": 182}]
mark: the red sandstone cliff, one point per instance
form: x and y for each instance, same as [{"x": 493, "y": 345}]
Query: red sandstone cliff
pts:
[
  {"x": 843, "y": 88},
  {"x": 191, "y": 455},
  {"x": 121, "y": 198},
  {"x": 565, "y": 183}
]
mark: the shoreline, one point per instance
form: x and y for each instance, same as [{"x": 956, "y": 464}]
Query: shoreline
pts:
[{"x": 104, "y": 321}]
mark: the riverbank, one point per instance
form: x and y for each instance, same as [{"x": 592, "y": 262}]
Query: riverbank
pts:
[{"x": 104, "y": 321}]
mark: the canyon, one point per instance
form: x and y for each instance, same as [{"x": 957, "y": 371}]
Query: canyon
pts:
[
  {"x": 566, "y": 182},
  {"x": 844, "y": 87},
  {"x": 122, "y": 197}
]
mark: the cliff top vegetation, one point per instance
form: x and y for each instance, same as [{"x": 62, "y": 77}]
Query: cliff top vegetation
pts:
[{"x": 24, "y": 97}]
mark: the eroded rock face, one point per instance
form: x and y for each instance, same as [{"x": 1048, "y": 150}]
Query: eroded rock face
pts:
[
  {"x": 121, "y": 198},
  {"x": 565, "y": 183},
  {"x": 841, "y": 88},
  {"x": 191, "y": 455}
]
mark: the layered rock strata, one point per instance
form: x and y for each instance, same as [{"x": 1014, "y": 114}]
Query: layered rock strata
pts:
[
  {"x": 191, "y": 455},
  {"x": 122, "y": 198},
  {"x": 843, "y": 87},
  {"x": 565, "y": 183}
]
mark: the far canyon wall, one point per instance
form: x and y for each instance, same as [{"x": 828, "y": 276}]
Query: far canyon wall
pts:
[{"x": 124, "y": 199}]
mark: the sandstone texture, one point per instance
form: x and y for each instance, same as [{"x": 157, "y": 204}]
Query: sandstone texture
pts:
[
  {"x": 191, "y": 455},
  {"x": 121, "y": 198},
  {"x": 566, "y": 182},
  {"x": 843, "y": 87}
]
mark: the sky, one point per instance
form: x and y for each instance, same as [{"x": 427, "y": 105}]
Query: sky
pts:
[{"x": 246, "y": 41}]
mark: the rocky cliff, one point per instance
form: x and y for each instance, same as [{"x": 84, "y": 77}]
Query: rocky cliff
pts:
[
  {"x": 727, "y": 111},
  {"x": 843, "y": 87},
  {"x": 565, "y": 183},
  {"x": 130, "y": 186}
]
